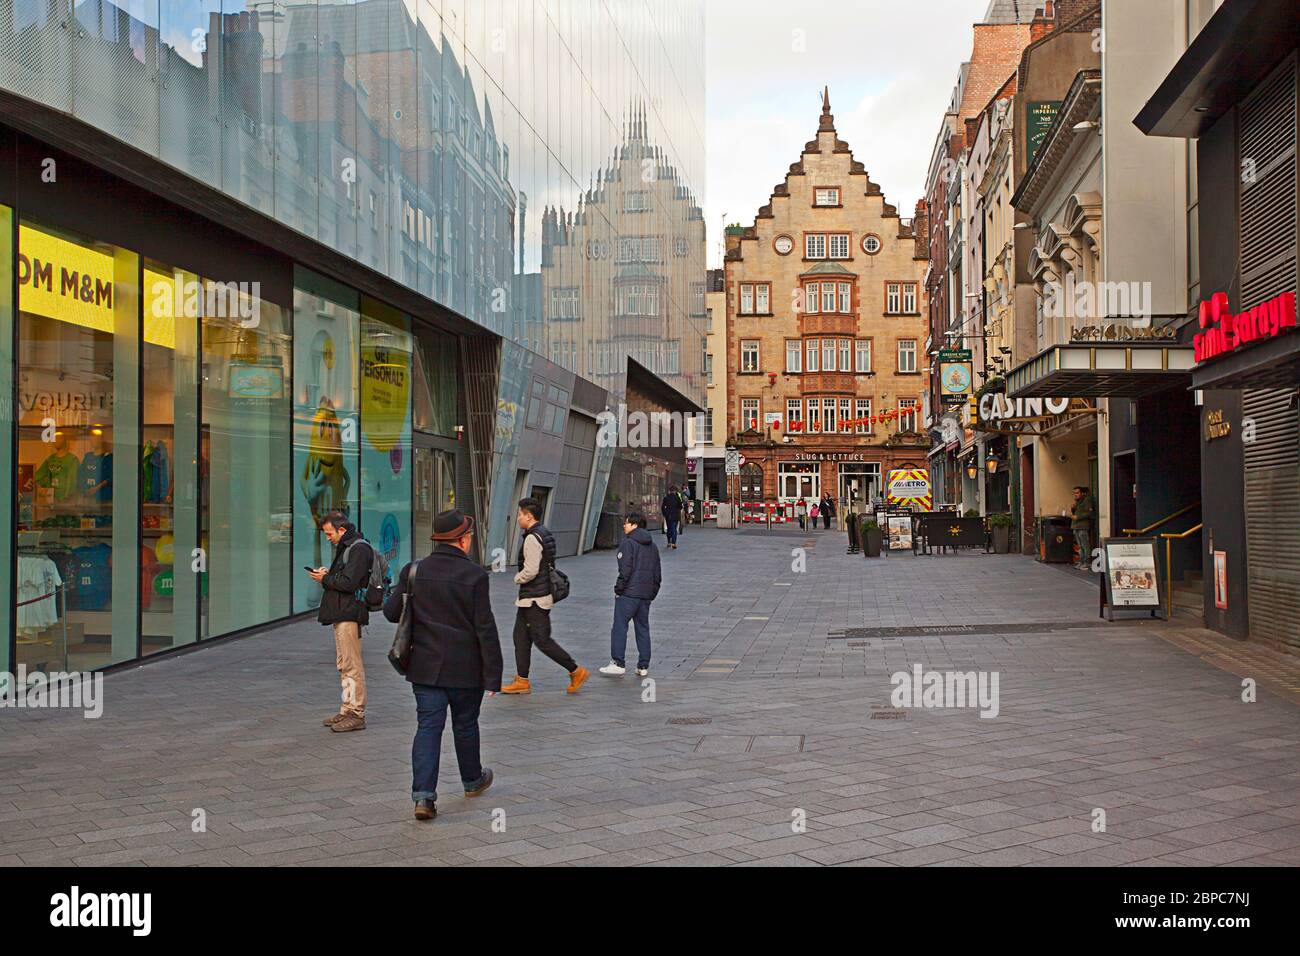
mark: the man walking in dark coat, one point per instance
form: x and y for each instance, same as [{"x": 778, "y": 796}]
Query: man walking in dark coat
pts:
[
  {"x": 533, "y": 614},
  {"x": 341, "y": 608},
  {"x": 638, "y": 583},
  {"x": 671, "y": 509},
  {"x": 827, "y": 510},
  {"x": 455, "y": 657}
]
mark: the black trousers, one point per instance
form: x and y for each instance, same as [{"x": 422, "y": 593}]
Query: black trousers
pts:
[{"x": 533, "y": 626}]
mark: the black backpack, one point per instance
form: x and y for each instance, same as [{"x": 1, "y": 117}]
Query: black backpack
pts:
[{"x": 380, "y": 582}]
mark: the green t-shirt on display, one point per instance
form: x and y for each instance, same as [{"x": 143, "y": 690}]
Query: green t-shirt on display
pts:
[{"x": 60, "y": 473}]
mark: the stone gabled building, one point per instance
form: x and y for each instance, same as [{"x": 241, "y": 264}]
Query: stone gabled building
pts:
[{"x": 826, "y": 366}]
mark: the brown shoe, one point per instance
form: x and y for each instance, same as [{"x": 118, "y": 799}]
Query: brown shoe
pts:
[
  {"x": 578, "y": 678},
  {"x": 425, "y": 810},
  {"x": 519, "y": 685},
  {"x": 331, "y": 721},
  {"x": 484, "y": 782},
  {"x": 349, "y": 722}
]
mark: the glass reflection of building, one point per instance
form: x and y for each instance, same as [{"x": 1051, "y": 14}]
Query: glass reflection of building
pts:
[{"x": 457, "y": 223}]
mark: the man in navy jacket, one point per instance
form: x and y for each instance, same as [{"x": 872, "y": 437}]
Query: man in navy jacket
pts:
[{"x": 638, "y": 583}]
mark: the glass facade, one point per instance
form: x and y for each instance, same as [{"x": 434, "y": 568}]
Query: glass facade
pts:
[{"x": 176, "y": 434}]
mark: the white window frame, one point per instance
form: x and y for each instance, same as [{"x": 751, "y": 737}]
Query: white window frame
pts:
[
  {"x": 910, "y": 352},
  {"x": 812, "y": 298},
  {"x": 793, "y": 356},
  {"x": 814, "y": 417},
  {"x": 828, "y": 355},
  {"x": 746, "y": 306},
  {"x": 793, "y": 411},
  {"x": 846, "y": 415},
  {"x": 846, "y": 355},
  {"x": 762, "y": 298},
  {"x": 911, "y": 405},
  {"x": 838, "y": 245},
  {"x": 909, "y": 298},
  {"x": 846, "y": 297},
  {"x": 829, "y": 421},
  {"x": 869, "y": 238},
  {"x": 812, "y": 351},
  {"x": 746, "y": 405},
  {"x": 823, "y": 193},
  {"x": 746, "y": 352},
  {"x": 814, "y": 245},
  {"x": 893, "y": 298},
  {"x": 861, "y": 346},
  {"x": 828, "y": 297},
  {"x": 862, "y": 411}
]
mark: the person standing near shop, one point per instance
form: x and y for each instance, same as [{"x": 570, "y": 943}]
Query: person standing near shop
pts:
[
  {"x": 639, "y": 578},
  {"x": 1081, "y": 515},
  {"x": 812, "y": 516},
  {"x": 533, "y": 614},
  {"x": 671, "y": 509},
  {"x": 686, "y": 510},
  {"x": 455, "y": 657},
  {"x": 801, "y": 512},
  {"x": 828, "y": 511},
  {"x": 342, "y": 608}
]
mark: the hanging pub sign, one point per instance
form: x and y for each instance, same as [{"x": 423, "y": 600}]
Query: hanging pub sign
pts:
[
  {"x": 1222, "y": 332},
  {"x": 1130, "y": 576}
]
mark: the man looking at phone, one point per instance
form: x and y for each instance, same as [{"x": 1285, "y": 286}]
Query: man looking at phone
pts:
[{"x": 342, "y": 607}]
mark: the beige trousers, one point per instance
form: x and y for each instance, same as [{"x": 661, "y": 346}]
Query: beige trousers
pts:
[{"x": 347, "y": 655}]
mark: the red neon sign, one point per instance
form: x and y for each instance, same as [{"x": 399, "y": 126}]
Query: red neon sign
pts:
[{"x": 1223, "y": 332}]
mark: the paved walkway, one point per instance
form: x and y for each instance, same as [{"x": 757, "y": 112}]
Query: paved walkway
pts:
[{"x": 770, "y": 739}]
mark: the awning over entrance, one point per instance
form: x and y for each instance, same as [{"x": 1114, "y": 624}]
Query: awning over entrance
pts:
[
  {"x": 1103, "y": 370},
  {"x": 1273, "y": 363}
]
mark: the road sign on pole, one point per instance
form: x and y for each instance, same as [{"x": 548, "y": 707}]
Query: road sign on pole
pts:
[{"x": 733, "y": 461}]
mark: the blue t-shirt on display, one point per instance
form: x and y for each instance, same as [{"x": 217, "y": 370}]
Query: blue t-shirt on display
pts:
[
  {"x": 161, "y": 466},
  {"x": 94, "y": 577},
  {"x": 88, "y": 473}
]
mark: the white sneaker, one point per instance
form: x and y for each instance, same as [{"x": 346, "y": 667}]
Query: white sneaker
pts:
[
  {"x": 642, "y": 671},
  {"x": 613, "y": 670}
]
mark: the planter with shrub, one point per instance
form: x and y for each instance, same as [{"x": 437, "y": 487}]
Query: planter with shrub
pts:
[
  {"x": 1000, "y": 525},
  {"x": 872, "y": 538}
]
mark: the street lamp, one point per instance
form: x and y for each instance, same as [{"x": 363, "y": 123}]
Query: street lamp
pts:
[
  {"x": 972, "y": 470},
  {"x": 991, "y": 463}
]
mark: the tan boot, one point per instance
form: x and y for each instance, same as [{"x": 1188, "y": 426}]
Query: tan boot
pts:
[
  {"x": 578, "y": 678},
  {"x": 519, "y": 685}
]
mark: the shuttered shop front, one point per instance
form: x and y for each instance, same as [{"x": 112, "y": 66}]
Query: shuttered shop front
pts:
[{"x": 1267, "y": 149}]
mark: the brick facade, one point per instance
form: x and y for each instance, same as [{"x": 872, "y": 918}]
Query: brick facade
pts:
[{"x": 852, "y": 305}]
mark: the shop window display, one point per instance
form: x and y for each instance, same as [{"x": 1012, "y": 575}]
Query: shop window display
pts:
[
  {"x": 326, "y": 329},
  {"x": 76, "y": 518}
]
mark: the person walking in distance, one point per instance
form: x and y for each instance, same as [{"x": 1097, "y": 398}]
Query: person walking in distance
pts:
[
  {"x": 533, "y": 606},
  {"x": 639, "y": 577},
  {"x": 341, "y": 608},
  {"x": 828, "y": 511},
  {"x": 671, "y": 508},
  {"x": 686, "y": 510},
  {"x": 801, "y": 512},
  {"x": 1081, "y": 514},
  {"x": 455, "y": 657}
]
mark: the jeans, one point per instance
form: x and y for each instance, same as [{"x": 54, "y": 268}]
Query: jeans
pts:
[
  {"x": 533, "y": 626},
  {"x": 1083, "y": 538},
  {"x": 636, "y": 610},
  {"x": 826, "y": 521},
  {"x": 671, "y": 526},
  {"x": 431, "y": 705}
]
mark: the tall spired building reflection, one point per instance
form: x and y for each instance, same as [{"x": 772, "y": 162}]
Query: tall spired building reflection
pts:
[{"x": 613, "y": 283}]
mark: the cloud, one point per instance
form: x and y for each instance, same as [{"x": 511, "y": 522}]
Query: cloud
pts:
[{"x": 890, "y": 65}]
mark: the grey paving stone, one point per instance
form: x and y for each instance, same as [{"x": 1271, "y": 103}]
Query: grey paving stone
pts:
[{"x": 1104, "y": 715}]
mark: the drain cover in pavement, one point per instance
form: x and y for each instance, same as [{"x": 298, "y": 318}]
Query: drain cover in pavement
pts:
[{"x": 690, "y": 721}]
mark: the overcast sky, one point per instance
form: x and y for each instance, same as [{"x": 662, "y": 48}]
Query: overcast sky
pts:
[{"x": 890, "y": 65}]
